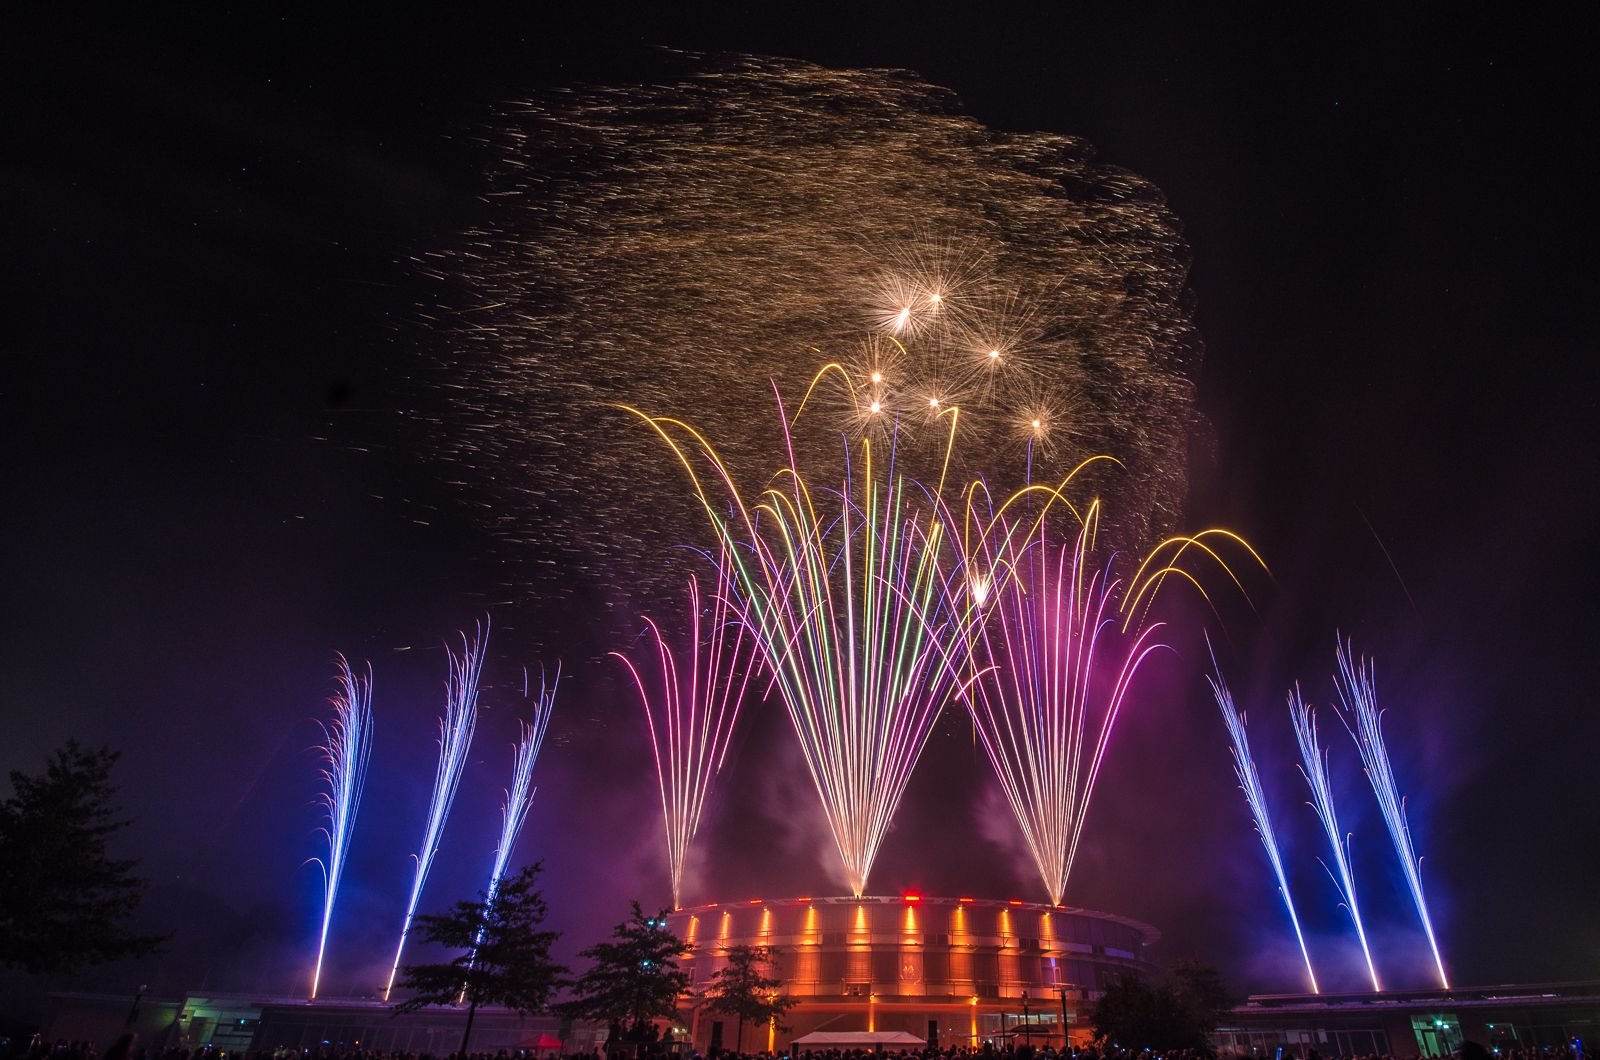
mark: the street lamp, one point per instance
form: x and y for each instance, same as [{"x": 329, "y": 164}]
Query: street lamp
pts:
[{"x": 1027, "y": 1026}]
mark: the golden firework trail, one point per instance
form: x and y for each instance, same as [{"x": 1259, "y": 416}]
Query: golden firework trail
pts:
[
  {"x": 672, "y": 245},
  {"x": 842, "y": 589}
]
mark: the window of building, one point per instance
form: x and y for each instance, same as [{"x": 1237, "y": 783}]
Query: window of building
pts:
[{"x": 1438, "y": 1034}]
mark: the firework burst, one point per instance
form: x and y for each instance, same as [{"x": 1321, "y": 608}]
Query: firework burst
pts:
[
  {"x": 1053, "y": 674},
  {"x": 842, "y": 591},
  {"x": 455, "y": 739},
  {"x": 1314, "y": 767},
  {"x": 731, "y": 214},
  {"x": 347, "y": 744},
  {"x": 1358, "y": 696},
  {"x": 690, "y": 710},
  {"x": 1055, "y": 652}
]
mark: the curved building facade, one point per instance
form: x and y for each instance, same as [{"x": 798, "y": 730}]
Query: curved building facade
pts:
[{"x": 961, "y": 970}]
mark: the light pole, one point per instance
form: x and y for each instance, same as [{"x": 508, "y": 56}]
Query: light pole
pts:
[
  {"x": 1027, "y": 1027},
  {"x": 131, "y": 1023}
]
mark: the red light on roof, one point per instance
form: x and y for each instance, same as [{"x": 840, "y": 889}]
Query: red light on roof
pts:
[
  {"x": 755, "y": 901},
  {"x": 963, "y": 899},
  {"x": 1016, "y": 901},
  {"x": 802, "y": 899},
  {"x": 913, "y": 899}
]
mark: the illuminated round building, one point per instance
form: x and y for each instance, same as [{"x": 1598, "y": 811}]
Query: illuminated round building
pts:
[{"x": 954, "y": 971}]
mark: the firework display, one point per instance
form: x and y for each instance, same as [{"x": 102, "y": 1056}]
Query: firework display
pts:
[
  {"x": 685, "y": 243},
  {"x": 1244, "y": 768},
  {"x": 1358, "y": 696},
  {"x": 690, "y": 710},
  {"x": 1314, "y": 767},
  {"x": 985, "y": 300},
  {"x": 456, "y": 727},
  {"x": 986, "y": 308},
  {"x": 347, "y": 744}
]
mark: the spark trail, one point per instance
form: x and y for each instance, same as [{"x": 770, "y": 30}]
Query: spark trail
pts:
[
  {"x": 347, "y": 744},
  {"x": 1358, "y": 696},
  {"x": 724, "y": 213},
  {"x": 519, "y": 796},
  {"x": 690, "y": 709},
  {"x": 1244, "y": 768},
  {"x": 1314, "y": 767},
  {"x": 842, "y": 591},
  {"x": 1056, "y": 653},
  {"x": 456, "y": 726},
  {"x": 1053, "y": 674}
]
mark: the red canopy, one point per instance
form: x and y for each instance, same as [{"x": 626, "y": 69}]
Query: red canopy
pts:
[{"x": 543, "y": 1041}]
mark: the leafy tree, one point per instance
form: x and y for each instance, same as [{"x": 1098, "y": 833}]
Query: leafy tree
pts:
[
  {"x": 1124, "y": 1014},
  {"x": 633, "y": 977},
  {"x": 1177, "y": 1015},
  {"x": 739, "y": 989},
  {"x": 1199, "y": 988},
  {"x": 504, "y": 955},
  {"x": 64, "y": 901}
]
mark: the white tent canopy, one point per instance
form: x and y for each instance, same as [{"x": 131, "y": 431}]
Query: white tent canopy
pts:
[{"x": 860, "y": 1038}]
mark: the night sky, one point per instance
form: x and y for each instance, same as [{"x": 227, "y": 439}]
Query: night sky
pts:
[{"x": 218, "y": 360}]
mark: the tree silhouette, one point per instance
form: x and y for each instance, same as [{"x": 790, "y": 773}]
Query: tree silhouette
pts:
[
  {"x": 504, "y": 955},
  {"x": 633, "y": 977},
  {"x": 64, "y": 901},
  {"x": 1178, "y": 1015},
  {"x": 1199, "y": 988}
]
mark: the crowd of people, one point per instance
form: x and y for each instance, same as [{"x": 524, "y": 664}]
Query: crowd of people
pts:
[{"x": 128, "y": 1048}]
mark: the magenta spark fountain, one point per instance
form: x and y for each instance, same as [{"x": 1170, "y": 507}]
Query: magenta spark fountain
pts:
[
  {"x": 690, "y": 709},
  {"x": 1053, "y": 671}
]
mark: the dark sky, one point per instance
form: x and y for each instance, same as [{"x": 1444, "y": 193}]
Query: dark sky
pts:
[{"x": 213, "y": 358}]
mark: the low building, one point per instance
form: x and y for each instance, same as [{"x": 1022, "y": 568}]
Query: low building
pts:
[
  {"x": 239, "y": 1023},
  {"x": 1412, "y": 1022},
  {"x": 951, "y": 971}
]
